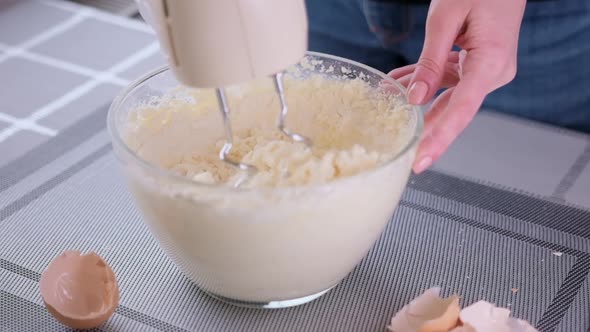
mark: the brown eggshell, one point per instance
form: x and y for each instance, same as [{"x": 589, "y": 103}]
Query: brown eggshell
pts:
[
  {"x": 427, "y": 313},
  {"x": 80, "y": 291},
  {"x": 447, "y": 320}
]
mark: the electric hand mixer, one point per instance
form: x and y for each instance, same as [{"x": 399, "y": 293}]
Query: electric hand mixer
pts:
[{"x": 216, "y": 43}]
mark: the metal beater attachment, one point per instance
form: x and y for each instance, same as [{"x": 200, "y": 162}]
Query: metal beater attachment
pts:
[
  {"x": 278, "y": 79},
  {"x": 229, "y": 139}
]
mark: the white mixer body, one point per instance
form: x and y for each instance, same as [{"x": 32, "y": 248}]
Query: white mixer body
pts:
[{"x": 216, "y": 43}]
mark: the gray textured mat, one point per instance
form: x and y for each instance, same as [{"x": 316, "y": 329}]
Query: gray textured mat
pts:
[{"x": 450, "y": 232}]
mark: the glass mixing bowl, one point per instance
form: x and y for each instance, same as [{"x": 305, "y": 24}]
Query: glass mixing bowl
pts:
[{"x": 269, "y": 247}]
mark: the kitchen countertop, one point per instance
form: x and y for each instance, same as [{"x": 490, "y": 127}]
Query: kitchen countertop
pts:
[{"x": 508, "y": 207}]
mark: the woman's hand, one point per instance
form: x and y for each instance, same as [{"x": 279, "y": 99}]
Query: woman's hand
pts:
[{"x": 487, "y": 32}]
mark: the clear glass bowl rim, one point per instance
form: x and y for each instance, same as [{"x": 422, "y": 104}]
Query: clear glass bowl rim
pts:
[{"x": 118, "y": 142}]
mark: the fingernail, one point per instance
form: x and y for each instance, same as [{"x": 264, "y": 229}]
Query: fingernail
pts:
[
  {"x": 417, "y": 93},
  {"x": 422, "y": 165}
]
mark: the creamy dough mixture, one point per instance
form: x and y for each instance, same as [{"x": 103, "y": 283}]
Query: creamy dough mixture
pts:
[
  {"x": 306, "y": 218},
  {"x": 353, "y": 128}
]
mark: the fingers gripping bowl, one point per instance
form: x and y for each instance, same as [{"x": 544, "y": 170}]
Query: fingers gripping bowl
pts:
[{"x": 308, "y": 216}]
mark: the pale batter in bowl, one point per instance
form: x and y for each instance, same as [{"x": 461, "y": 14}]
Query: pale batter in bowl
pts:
[{"x": 308, "y": 216}]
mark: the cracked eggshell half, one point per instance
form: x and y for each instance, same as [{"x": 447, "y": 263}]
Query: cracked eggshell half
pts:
[
  {"x": 483, "y": 316},
  {"x": 80, "y": 291},
  {"x": 427, "y": 313}
]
